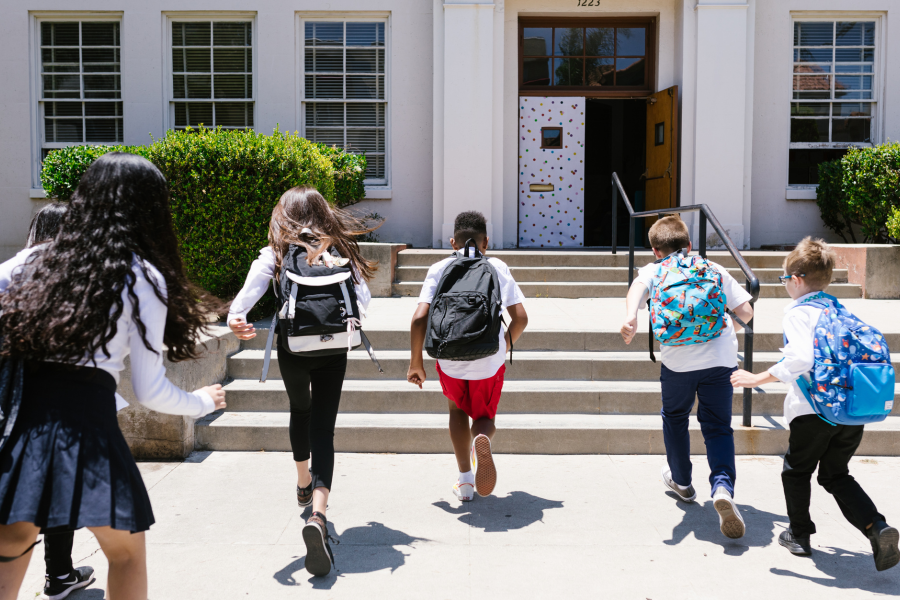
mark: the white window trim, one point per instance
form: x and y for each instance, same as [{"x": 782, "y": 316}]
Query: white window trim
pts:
[
  {"x": 380, "y": 191},
  {"x": 168, "y": 92},
  {"x": 36, "y": 107},
  {"x": 807, "y": 191}
]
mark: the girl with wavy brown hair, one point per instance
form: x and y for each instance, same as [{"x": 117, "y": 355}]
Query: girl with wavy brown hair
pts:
[{"x": 304, "y": 219}]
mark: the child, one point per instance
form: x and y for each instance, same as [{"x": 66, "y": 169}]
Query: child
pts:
[
  {"x": 303, "y": 219},
  {"x": 813, "y": 442},
  {"x": 471, "y": 387},
  {"x": 701, "y": 370}
]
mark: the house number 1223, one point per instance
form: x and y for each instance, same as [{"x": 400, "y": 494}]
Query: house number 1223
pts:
[{"x": 589, "y": 3}]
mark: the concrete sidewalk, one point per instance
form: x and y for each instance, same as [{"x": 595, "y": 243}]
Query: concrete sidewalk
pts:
[{"x": 558, "y": 527}]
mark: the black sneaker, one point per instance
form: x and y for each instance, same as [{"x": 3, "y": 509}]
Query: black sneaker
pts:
[
  {"x": 794, "y": 543},
  {"x": 319, "y": 557},
  {"x": 57, "y": 589},
  {"x": 884, "y": 540},
  {"x": 304, "y": 495}
]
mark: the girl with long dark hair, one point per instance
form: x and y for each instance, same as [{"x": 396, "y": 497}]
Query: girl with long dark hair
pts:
[
  {"x": 111, "y": 284},
  {"x": 303, "y": 218}
]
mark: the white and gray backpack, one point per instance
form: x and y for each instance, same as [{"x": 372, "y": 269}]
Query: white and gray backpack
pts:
[{"x": 319, "y": 313}]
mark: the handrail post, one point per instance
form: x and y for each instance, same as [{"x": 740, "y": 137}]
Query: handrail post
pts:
[
  {"x": 748, "y": 366},
  {"x": 702, "y": 233},
  {"x": 630, "y": 251},
  {"x": 615, "y": 202}
]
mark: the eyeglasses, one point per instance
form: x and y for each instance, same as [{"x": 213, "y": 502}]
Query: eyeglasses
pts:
[{"x": 785, "y": 278}]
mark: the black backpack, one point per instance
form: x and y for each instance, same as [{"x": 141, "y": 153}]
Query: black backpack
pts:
[
  {"x": 319, "y": 314},
  {"x": 466, "y": 312}
]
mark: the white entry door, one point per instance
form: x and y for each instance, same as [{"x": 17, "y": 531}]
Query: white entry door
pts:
[{"x": 551, "y": 172}]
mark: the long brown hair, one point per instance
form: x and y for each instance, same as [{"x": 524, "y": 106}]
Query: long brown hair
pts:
[{"x": 304, "y": 207}]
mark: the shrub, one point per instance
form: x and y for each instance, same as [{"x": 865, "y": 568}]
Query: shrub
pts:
[
  {"x": 893, "y": 224},
  {"x": 861, "y": 189},
  {"x": 349, "y": 174}
]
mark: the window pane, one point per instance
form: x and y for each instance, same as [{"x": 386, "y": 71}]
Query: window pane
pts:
[
  {"x": 852, "y": 82},
  {"x": 599, "y": 41},
  {"x": 536, "y": 71},
  {"x": 599, "y": 71},
  {"x": 63, "y": 59},
  {"x": 568, "y": 71},
  {"x": 324, "y": 60},
  {"x": 814, "y": 34},
  {"x": 852, "y": 109},
  {"x": 371, "y": 114},
  {"x": 63, "y": 130},
  {"x": 814, "y": 55},
  {"x": 855, "y": 34},
  {"x": 178, "y": 86},
  {"x": 102, "y": 86},
  {"x": 232, "y": 61},
  {"x": 803, "y": 164},
  {"x": 812, "y": 86},
  {"x": 103, "y": 109},
  {"x": 569, "y": 41},
  {"x": 630, "y": 41},
  {"x": 812, "y": 68},
  {"x": 100, "y": 34},
  {"x": 234, "y": 114},
  {"x": 809, "y": 109},
  {"x": 374, "y": 166},
  {"x": 191, "y": 34},
  {"x": 537, "y": 41},
  {"x": 62, "y": 86},
  {"x": 323, "y": 114},
  {"x": 629, "y": 71},
  {"x": 365, "y": 34},
  {"x": 231, "y": 34},
  {"x": 844, "y": 68},
  {"x": 853, "y": 55},
  {"x": 324, "y": 34},
  {"x": 365, "y": 140},
  {"x": 851, "y": 130},
  {"x": 63, "y": 109},
  {"x": 809, "y": 130},
  {"x": 365, "y": 87},
  {"x": 365, "y": 61},
  {"x": 233, "y": 86},
  {"x": 103, "y": 130},
  {"x": 100, "y": 60},
  {"x": 199, "y": 86},
  {"x": 324, "y": 86},
  {"x": 332, "y": 137},
  {"x": 190, "y": 60},
  {"x": 193, "y": 113},
  {"x": 59, "y": 34}
]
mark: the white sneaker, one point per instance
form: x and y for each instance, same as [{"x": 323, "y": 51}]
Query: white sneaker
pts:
[
  {"x": 464, "y": 490},
  {"x": 684, "y": 494},
  {"x": 730, "y": 521}
]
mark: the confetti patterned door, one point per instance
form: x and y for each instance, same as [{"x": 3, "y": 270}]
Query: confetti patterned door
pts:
[{"x": 551, "y": 172}]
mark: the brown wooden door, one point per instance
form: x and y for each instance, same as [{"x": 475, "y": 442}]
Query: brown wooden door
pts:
[{"x": 662, "y": 151}]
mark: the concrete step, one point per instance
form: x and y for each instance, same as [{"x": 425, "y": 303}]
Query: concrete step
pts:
[
  {"x": 550, "y": 289},
  {"x": 596, "y": 274},
  {"x": 516, "y": 433},
  {"x": 527, "y": 365},
  {"x": 586, "y": 258},
  {"x": 519, "y": 396}
]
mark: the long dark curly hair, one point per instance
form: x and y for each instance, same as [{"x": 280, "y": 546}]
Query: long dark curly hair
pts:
[{"x": 65, "y": 304}]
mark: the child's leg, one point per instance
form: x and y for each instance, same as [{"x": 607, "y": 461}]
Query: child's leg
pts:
[
  {"x": 808, "y": 442},
  {"x": 460, "y": 436},
  {"x": 327, "y": 380},
  {"x": 678, "y": 391},
  {"x": 58, "y": 552},
  {"x": 716, "y": 395},
  {"x": 295, "y": 372},
  {"x": 483, "y": 426},
  {"x": 834, "y": 476}
]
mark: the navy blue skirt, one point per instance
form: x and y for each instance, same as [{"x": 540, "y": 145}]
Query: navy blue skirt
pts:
[{"x": 66, "y": 463}]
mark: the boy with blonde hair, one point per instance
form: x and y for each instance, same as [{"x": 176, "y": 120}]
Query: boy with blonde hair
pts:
[
  {"x": 815, "y": 442},
  {"x": 700, "y": 368}
]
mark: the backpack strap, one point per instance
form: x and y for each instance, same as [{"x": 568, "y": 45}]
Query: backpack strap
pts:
[
  {"x": 365, "y": 341},
  {"x": 804, "y": 388},
  {"x": 502, "y": 320},
  {"x": 268, "y": 357},
  {"x": 650, "y": 333}
]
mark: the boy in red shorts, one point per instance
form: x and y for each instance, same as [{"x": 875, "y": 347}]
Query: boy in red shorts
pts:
[{"x": 472, "y": 387}]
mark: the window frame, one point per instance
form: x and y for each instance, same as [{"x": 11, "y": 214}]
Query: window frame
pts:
[
  {"x": 303, "y": 17},
  {"x": 169, "y": 99},
  {"x": 38, "y": 133},
  {"x": 878, "y": 71}
]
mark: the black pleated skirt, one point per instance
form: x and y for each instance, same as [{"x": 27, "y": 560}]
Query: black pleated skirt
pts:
[{"x": 66, "y": 463}]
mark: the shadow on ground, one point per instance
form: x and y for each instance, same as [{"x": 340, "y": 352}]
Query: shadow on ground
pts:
[
  {"x": 845, "y": 569},
  {"x": 517, "y": 510},
  {"x": 702, "y": 520},
  {"x": 359, "y": 550}
]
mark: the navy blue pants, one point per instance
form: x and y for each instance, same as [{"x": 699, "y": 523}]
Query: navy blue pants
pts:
[{"x": 712, "y": 387}]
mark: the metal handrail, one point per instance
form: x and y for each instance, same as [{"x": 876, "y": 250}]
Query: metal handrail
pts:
[{"x": 706, "y": 216}]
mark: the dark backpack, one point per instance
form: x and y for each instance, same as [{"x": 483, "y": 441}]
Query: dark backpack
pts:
[
  {"x": 466, "y": 312},
  {"x": 319, "y": 314}
]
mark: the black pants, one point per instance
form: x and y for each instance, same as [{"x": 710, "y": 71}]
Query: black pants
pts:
[
  {"x": 58, "y": 551},
  {"x": 814, "y": 442},
  {"x": 314, "y": 389}
]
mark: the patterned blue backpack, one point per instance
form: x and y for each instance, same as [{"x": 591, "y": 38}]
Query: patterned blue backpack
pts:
[
  {"x": 852, "y": 382},
  {"x": 687, "y": 302}
]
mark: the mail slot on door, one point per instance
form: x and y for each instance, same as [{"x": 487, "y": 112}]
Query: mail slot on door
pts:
[{"x": 541, "y": 187}]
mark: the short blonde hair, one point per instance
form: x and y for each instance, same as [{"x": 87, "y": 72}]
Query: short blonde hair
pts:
[
  {"x": 669, "y": 234},
  {"x": 812, "y": 258}
]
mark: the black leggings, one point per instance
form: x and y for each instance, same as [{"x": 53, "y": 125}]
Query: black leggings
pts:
[
  {"x": 314, "y": 389},
  {"x": 58, "y": 551}
]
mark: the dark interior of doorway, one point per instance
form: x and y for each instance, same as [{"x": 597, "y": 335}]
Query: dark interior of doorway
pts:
[{"x": 615, "y": 138}]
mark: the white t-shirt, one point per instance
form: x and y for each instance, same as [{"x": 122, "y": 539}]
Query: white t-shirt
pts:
[
  {"x": 510, "y": 295},
  {"x": 718, "y": 352}
]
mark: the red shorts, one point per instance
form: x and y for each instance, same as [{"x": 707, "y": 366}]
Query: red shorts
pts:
[{"x": 478, "y": 398}]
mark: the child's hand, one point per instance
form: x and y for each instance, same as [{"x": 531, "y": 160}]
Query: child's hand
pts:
[
  {"x": 416, "y": 375},
  {"x": 242, "y": 329},
  {"x": 742, "y": 378},
  {"x": 217, "y": 394},
  {"x": 629, "y": 328}
]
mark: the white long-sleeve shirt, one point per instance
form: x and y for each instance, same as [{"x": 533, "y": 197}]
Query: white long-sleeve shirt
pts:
[
  {"x": 148, "y": 373},
  {"x": 262, "y": 271},
  {"x": 798, "y": 354}
]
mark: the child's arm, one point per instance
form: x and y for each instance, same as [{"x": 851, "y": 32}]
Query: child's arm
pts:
[
  {"x": 742, "y": 378},
  {"x": 518, "y": 321},
  {"x": 798, "y": 355},
  {"x": 261, "y": 273},
  {"x": 417, "y": 330},
  {"x": 637, "y": 296},
  {"x": 744, "y": 312}
]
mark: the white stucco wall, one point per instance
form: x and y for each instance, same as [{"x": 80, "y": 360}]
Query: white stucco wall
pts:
[
  {"x": 408, "y": 210},
  {"x": 774, "y": 219}
]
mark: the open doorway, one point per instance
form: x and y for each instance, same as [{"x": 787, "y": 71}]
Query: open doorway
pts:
[{"x": 615, "y": 141}]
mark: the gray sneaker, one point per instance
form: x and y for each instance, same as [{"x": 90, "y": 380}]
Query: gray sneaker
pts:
[{"x": 688, "y": 495}]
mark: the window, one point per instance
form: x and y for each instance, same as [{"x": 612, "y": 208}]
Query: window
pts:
[
  {"x": 833, "y": 103},
  {"x": 212, "y": 74},
  {"x": 551, "y": 137},
  {"x": 344, "y": 89},
  {"x": 574, "y": 54},
  {"x": 81, "y": 92}
]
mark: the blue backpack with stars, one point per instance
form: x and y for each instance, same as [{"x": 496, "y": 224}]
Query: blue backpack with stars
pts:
[{"x": 852, "y": 381}]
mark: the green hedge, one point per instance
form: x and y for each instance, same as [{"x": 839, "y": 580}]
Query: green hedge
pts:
[
  {"x": 861, "y": 189},
  {"x": 223, "y": 185},
  {"x": 349, "y": 174}
]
